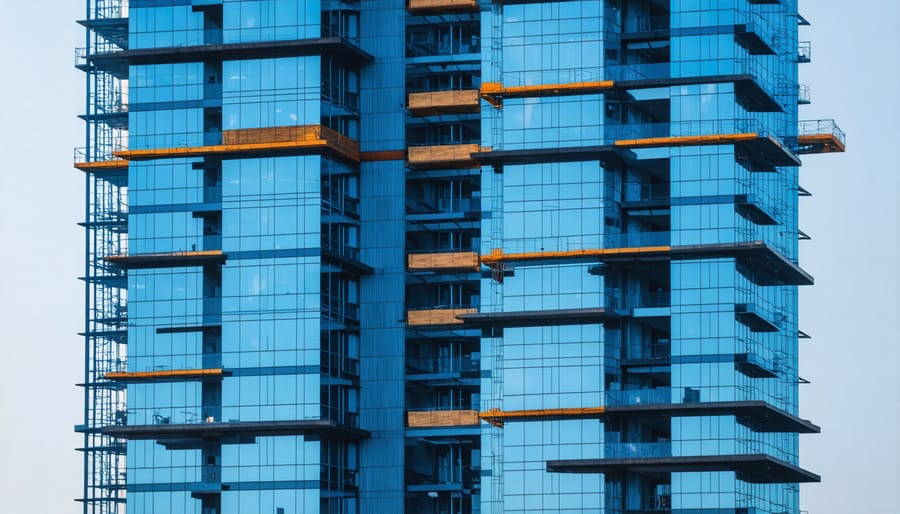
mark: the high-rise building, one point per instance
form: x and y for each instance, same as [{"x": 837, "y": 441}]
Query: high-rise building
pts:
[{"x": 443, "y": 256}]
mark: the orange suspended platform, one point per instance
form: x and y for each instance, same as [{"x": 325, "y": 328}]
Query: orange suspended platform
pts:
[
  {"x": 166, "y": 375},
  {"x": 273, "y": 140},
  {"x": 167, "y": 260}
]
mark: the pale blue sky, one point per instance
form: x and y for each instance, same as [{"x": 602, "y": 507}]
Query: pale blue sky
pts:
[{"x": 853, "y": 217}]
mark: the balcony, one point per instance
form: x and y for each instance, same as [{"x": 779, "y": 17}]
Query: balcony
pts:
[
  {"x": 442, "y": 418},
  {"x": 754, "y": 468},
  {"x": 804, "y": 94},
  {"x": 437, "y": 317},
  {"x": 446, "y": 261},
  {"x": 754, "y": 318},
  {"x": 340, "y": 310},
  {"x": 804, "y": 52},
  {"x": 438, "y": 156},
  {"x": 637, "y": 450},
  {"x": 820, "y": 136},
  {"x": 422, "y": 6},
  {"x": 463, "y": 364},
  {"x": 444, "y": 102}
]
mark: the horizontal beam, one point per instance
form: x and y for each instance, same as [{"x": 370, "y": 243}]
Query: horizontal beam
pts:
[
  {"x": 758, "y": 415},
  {"x": 167, "y": 260},
  {"x": 271, "y": 140},
  {"x": 247, "y": 429},
  {"x": 756, "y": 468},
  {"x": 166, "y": 375},
  {"x": 497, "y": 417}
]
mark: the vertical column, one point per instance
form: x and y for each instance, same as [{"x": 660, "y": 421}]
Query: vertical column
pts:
[{"x": 382, "y": 247}]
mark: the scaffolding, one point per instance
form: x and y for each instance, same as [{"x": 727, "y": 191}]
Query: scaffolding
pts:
[{"x": 105, "y": 333}]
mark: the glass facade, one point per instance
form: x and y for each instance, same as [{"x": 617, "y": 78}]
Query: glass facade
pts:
[{"x": 443, "y": 256}]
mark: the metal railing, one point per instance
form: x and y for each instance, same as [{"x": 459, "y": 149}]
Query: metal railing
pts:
[
  {"x": 804, "y": 52},
  {"x": 443, "y": 364},
  {"x": 819, "y": 127},
  {"x": 660, "y": 395},
  {"x": 637, "y": 450}
]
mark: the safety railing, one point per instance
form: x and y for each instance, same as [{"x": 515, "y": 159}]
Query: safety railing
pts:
[
  {"x": 658, "y": 396},
  {"x": 637, "y": 192},
  {"x": 461, "y": 364},
  {"x": 804, "y": 52},
  {"x": 637, "y": 450},
  {"x": 819, "y": 127}
]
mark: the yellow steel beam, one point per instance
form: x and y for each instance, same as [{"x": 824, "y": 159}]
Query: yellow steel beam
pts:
[
  {"x": 494, "y": 92},
  {"x": 303, "y": 137},
  {"x": 713, "y": 139},
  {"x": 497, "y": 417},
  {"x": 165, "y": 374},
  {"x": 498, "y": 256},
  {"x": 116, "y": 164},
  {"x": 201, "y": 253},
  {"x": 822, "y": 143}
]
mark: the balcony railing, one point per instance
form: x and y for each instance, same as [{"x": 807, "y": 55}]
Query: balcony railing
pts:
[
  {"x": 658, "y": 396},
  {"x": 637, "y": 450},
  {"x": 443, "y": 205},
  {"x": 339, "y": 310},
  {"x": 804, "y": 52},
  {"x": 804, "y": 94},
  {"x": 442, "y": 365},
  {"x": 658, "y": 299},
  {"x": 337, "y": 364},
  {"x": 639, "y": 192}
]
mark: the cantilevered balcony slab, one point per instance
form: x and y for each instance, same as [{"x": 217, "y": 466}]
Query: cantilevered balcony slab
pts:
[
  {"x": 759, "y": 416},
  {"x": 168, "y": 260},
  {"x": 757, "y": 468},
  {"x": 768, "y": 266},
  {"x": 442, "y": 156},
  {"x": 246, "y": 429},
  {"x": 746, "y": 35},
  {"x": 540, "y": 318},
  {"x": 608, "y": 154},
  {"x": 749, "y": 207},
  {"x": 114, "y": 30},
  {"x": 117, "y": 63},
  {"x": 753, "y": 96},
  {"x": 762, "y": 152},
  {"x": 169, "y": 375},
  {"x": 444, "y": 102},
  {"x": 749, "y": 315}
]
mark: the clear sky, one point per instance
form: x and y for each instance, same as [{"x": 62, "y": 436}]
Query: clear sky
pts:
[{"x": 853, "y": 218}]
